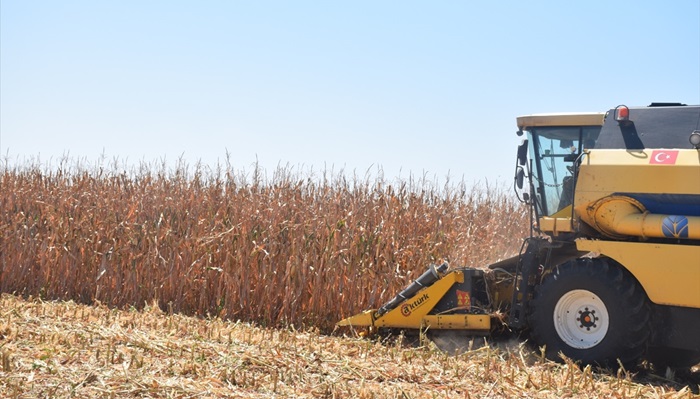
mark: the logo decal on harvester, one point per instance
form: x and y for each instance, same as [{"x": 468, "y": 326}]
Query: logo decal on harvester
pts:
[
  {"x": 463, "y": 299},
  {"x": 663, "y": 157},
  {"x": 407, "y": 308},
  {"x": 674, "y": 226}
]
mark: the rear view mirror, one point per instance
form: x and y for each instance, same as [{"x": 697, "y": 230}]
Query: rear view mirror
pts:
[
  {"x": 519, "y": 177},
  {"x": 522, "y": 153}
]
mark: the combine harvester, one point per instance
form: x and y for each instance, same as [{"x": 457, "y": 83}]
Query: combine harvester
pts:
[{"x": 611, "y": 271}]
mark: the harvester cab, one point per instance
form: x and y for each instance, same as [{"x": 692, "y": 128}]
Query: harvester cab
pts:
[
  {"x": 554, "y": 143},
  {"x": 610, "y": 273}
]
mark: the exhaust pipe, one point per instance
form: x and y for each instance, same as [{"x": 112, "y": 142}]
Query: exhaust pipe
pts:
[{"x": 425, "y": 280}]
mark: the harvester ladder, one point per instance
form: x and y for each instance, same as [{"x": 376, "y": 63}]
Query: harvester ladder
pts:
[{"x": 525, "y": 275}]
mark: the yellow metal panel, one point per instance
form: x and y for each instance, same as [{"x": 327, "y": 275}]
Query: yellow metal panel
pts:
[
  {"x": 411, "y": 312},
  {"x": 458, "y": 322},
  {"x": 556, "y": 225},
  {"x": 561, "y": 119},
  {"x": 670, "y": 274},
  {"x": 604, "y": 172},
  {"x": 565, "y": 213},
  {"x": 559, "y": 222},
  {"x": 364, "y": 319}
]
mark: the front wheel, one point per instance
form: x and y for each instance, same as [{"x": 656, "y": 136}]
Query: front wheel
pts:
[{"x": 590, "y": 310}]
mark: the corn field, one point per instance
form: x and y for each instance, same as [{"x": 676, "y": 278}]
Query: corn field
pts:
[
  {"x": 294, "y": 248},
  {"x": 60, "y": 349}
]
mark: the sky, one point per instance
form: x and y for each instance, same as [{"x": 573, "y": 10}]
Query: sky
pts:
[{"x": 403, "y": 88}]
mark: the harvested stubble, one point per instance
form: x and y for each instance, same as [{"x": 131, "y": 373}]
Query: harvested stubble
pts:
[
  {"x": 63, "y": 349},
  {"x": 293, "y": 250}
]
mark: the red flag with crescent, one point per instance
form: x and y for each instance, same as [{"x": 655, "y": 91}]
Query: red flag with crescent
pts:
[{"x": 663, "y": 157}]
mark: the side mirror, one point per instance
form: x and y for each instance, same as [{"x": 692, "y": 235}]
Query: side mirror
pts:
[
  {"x": 522, "y": 153},
  {"x": 519, "y": 177}
]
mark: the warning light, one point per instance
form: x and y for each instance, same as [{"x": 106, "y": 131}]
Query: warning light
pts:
[{"x": 622, "y": 113}]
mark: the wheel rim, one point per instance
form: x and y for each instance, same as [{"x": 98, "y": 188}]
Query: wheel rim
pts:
[{"x": 581, "y": 319}]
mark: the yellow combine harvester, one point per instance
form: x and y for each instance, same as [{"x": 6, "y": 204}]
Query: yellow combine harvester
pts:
[{"x": 611, "y": 270}]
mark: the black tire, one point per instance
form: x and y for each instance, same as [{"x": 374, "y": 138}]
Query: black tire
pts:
[
  {"x": 673, "y": 357},
  {"x": 591, "y": 310}
]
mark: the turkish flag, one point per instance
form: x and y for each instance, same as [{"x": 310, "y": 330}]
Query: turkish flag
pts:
[{"x": 663, "y": 157}]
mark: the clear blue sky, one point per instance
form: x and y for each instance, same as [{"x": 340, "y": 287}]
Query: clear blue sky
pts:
[{"x": 414, "y": 87}]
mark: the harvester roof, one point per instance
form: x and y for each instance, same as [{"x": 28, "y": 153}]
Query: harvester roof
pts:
[
  {"x": 561, "y": 119},
  {"x": 655, "y": 126}
]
